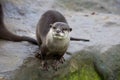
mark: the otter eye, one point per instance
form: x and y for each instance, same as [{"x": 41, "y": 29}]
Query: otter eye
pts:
[
  {"x": 50, "y": 25},
  {"x": 70, "y": 29},
  {"x": 54, "y": 27}
]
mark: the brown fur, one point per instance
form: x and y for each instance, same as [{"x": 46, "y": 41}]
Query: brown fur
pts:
[
  {"x": 47, "y": 18},
  {"x": 7, "y": 35},
  {"x": 51, "y": 48},
  {"x": 43, "y": 28}
]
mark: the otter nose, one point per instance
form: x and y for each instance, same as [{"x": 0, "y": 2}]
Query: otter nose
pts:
[{"x": 58, "y": 31}]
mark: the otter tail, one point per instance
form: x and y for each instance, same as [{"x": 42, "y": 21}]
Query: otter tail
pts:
[
  {"x": 31, "y": 40},
  {"x": 78, "y": 39},
  {"x": 1, "y": 14},
  {"x": 7, "y": 35}
]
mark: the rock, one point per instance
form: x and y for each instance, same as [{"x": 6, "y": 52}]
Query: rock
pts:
[
  {"x": 17, "y": 61},
  {"x": 1, "y": 78}
]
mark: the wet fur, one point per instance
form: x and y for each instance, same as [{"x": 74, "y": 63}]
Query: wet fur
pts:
[
  {"x": 7, "y": 35},
  {"x": 42, "y": 31},
  {"x": 57, "y": 45}
]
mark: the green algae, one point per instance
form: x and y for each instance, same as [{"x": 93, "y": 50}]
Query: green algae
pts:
[{"x": 87, "y": 72}]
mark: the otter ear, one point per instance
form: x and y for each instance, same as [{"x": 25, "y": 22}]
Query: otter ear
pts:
[
  {"x": 51, "y": 25},
  {"x": 70, "y": 29}
]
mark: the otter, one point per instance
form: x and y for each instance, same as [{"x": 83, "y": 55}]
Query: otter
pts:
[
  {"x": 52, "y": 34},
  {"x": 7, "y": 35}
]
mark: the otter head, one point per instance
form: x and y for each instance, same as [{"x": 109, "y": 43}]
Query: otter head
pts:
[{"x": 60, "y": 30}]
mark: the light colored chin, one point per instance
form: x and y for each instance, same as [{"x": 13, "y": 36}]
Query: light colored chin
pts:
[{"x": 58, "y": 37}]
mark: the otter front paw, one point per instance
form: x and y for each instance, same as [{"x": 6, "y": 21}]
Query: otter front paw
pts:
[
  {"x": 55, "y": 65},
  {"x": 45, "y": 65},
  {"x": 37, "y": 55},
  {"x": 62, "y": 60}
]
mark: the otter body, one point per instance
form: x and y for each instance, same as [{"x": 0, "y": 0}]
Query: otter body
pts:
[
  {"x": 53, "y": 35},
  {"x": 7, "y": 35}
]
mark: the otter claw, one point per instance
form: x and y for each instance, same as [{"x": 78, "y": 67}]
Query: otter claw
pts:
[
  {"x": 37, "y": 55},
  {"x": 62, "y": 60},
  {"x": 45, "y": 65},
  {"x": 55, "y": 65}
]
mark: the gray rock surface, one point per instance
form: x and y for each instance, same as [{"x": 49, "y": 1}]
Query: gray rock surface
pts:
[{"x": 97, "y": 20}]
